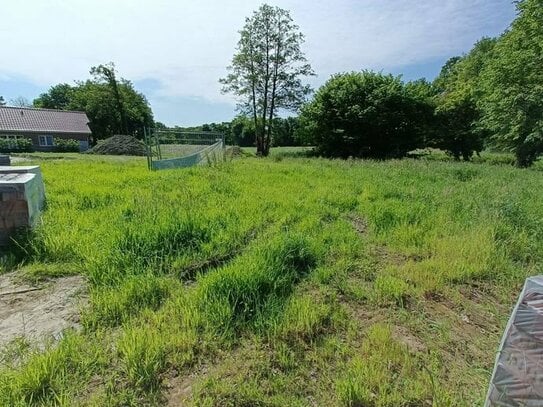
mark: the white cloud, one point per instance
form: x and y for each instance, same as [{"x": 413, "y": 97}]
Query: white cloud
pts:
[{"x": 186, "y": 45}]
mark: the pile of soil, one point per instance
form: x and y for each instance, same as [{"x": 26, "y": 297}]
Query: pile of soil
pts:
[{"x": 119, "y": 145}]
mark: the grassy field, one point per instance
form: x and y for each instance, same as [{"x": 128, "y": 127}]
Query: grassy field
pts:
[{"x": 279, "y": 281}]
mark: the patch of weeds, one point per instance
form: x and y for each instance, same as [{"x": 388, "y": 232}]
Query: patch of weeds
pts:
[
  {"x": 303, "y": 320},
  {"x": 154, "y": 246},
  {"x": 115, "y": 305},
  {"x": 50, "y": 377},
  {"x": 143, "y": 356},
  {"x": 384, "y": 374},
  {"x": 246, "y": 291},
  {"x": 465, "y": 174},
  {"x": 390, "y": 289},
  {"x": 15, "y": 352},
  {"x": 89, "y": 201},
  {"x": 36, "y": 272}
]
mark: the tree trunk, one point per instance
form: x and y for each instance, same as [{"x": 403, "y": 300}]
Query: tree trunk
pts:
[
  {"x": 259, "y": 144},
  {"x": 264, "y": 142},
  {"x": 265, "y": 146}
]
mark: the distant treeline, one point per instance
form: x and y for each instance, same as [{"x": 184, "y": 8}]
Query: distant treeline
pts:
[
  {"x": 241, "y": 131},
  {"x": 491, "y": 97}
]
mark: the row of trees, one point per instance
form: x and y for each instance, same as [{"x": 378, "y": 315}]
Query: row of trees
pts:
[
  {"x": 241, "y": 131},
  {"x": 112, "y": 105},
  {"x": 283, "y": 132},
  {"x": 491, "y": 97}
]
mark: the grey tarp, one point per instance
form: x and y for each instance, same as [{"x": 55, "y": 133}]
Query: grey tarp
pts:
[{"x": 517, "y": 379}]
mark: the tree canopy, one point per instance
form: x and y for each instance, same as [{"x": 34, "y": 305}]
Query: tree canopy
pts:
[
  {"x": 458, "y": 126},
  {"x": 20, "y": 101},
  {"x": 113, "y": 106},
  {"x": 364, "y": 114},
  {"x": 267, "y": 70},
  {"x": 512, "y": 86},
  {"x": 490, "y": 97}
]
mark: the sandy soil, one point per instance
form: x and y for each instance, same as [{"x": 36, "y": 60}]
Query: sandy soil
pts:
[{"x": 39, "y": 312}]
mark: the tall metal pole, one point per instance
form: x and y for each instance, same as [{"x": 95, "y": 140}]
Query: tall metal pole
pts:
[
  {"x": 147, "y": 147},
  {"x": 158, "y": 146}
]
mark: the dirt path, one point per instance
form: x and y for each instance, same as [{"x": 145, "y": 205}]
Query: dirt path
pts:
[{"x": 39, "y": 312}]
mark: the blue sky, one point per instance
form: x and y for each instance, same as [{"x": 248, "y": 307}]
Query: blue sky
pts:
[{"x": 176, "y": 50}]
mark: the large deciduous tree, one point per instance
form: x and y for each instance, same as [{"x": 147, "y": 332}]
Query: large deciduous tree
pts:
[
  {"x": 458, "y": 126},
  {"x": 106, "y": 73},
  {"x": 112, "y": 105},
  {"x": 513, "y": 82},
  {"x": 267, "y": 70},
  {"x": 57, "y": 97}
]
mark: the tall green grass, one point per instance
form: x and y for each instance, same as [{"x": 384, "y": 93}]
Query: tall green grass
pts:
[{"x": 286, "y": 280}]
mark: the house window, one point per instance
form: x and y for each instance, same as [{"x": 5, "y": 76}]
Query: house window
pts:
[{"x": 46, "y": 141}]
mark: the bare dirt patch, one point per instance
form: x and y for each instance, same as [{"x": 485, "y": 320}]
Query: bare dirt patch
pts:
[
  {"x": 403, "y": 335},
  {"x": 39, "y": 312},
  {"x": 179, "y": 390},
  {"x": 385, "y": 255},
  {"x": 359, "y": 224}
]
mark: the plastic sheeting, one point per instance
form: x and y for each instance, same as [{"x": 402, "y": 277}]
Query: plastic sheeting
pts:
[
  {"x": 517, "y": 379},
  {"x": 209, "y": 153}
]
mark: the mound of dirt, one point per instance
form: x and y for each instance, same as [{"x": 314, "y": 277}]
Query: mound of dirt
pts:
[{"x": 119, "y": 145}]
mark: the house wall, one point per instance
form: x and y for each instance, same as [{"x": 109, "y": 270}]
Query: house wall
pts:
[{"x": 35, "y": 137}]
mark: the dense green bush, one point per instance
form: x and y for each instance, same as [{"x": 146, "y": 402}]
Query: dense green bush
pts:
[
  {"x": 19, "y": 145},
  {"x": 66, "y": 146},
  {"x": 364, "y": 114},
  {"x": 242, "y": 132},
  {"x": 456, "y": 130}
]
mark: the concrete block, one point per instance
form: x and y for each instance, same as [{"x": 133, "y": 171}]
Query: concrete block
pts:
[
  {"x": 22, "y": 197},
  {"x": 28, "y": 169}
]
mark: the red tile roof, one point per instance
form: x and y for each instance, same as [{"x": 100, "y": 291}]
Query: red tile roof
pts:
[{"x": 26, "y": 119}]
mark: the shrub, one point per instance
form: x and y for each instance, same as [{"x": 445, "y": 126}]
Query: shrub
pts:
[
  {"x": 19, "y": 145},
  {"x": 386, "y": 374},
  {"x": 66, "y": 146},
  {"x": 365, "y": 114}
]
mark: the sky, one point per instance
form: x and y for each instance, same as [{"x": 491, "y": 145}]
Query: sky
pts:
[{"x": 175, "y": 51}]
